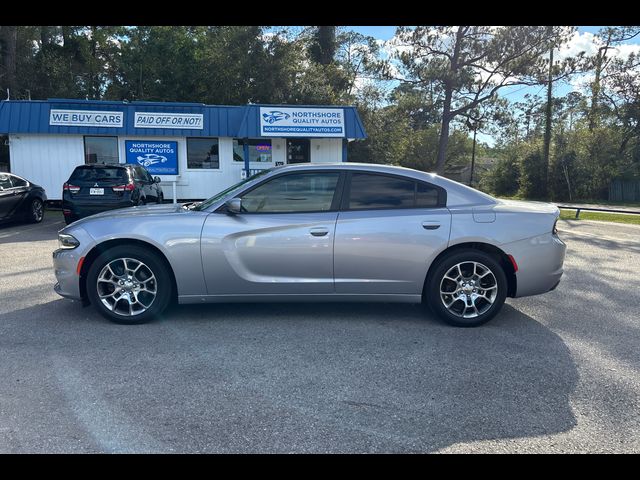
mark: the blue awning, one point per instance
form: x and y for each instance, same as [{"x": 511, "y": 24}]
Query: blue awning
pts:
[{"x": 35, "y": 117}]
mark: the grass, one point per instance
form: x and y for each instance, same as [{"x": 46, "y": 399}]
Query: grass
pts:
[
  {"x": 576, "y": 202},
  {"x": 601, "y": 217}
]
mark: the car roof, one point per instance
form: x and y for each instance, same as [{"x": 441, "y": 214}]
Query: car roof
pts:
[{"x": 106, "y": 165}]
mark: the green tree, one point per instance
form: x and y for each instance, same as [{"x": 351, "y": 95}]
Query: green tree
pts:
[{"x": 470, "y": 64}]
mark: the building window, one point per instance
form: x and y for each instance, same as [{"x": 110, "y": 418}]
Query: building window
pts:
[
  {"x": 101, "y": 150},
  {"x": 259, "y": 150},
  {"x": 203, "y": 153}
]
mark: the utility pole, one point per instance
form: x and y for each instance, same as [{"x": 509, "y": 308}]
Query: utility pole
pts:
[
  {"x": 473, "y": 153},
  {"x": 547, "y": 128}
]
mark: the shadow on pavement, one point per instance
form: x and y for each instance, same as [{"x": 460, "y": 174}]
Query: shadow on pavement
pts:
[
  {"x": 280, "y": 378},
  {"x": 13, "y": 232}
]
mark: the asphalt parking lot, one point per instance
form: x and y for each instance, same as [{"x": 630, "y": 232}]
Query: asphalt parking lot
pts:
[{"x": 554, "y": 373}]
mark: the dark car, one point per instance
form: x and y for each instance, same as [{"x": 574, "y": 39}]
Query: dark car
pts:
[
  {"x": 20, "y": 199},
  {"x": 99, "y": 187}
]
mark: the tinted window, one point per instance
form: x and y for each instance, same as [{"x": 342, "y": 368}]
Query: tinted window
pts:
[
  {"x": 370, "y": 191},
  {"x": 140, "y": 174},
  {"x": 100, "y": 150},
  {"x": 202, "y": 153},
  {"x": 303, "y": 192},
  {"x": 426, "y": 196},
  {"x": 18, "y": 182},
  {"x": 88, "y": 174},
  {"x": 5, "y": 182}
]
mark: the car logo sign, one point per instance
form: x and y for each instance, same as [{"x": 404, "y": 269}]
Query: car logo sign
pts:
[
  {"x": 275, "y": 116},
  {"x": 96, "y": 184}
]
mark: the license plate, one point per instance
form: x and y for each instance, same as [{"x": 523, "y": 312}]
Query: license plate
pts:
[{"x": 96, "y": 191}]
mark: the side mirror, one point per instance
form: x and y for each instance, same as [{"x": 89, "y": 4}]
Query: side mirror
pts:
[
  {"x": 157, "y": 179},
  {"x": 233, "y": 205}
]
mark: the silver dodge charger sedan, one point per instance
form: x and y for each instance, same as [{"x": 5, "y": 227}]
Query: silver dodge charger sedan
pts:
[{"x": 333, "y": 232}]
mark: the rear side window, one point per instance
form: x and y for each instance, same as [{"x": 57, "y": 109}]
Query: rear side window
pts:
[
  {"x": 84, "y": 174},
  {"x": 371, "y": 191},
  {"x": 140, "y": 174},
  {"x": 5, "y": 182}
]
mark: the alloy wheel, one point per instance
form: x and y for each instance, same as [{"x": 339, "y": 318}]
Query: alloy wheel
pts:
[
  {"x": 468, "y": 289},
  {"x": 127, "y": 286}
]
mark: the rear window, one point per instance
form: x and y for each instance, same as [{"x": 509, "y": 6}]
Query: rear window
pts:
[{"x": 90, "y": 174}]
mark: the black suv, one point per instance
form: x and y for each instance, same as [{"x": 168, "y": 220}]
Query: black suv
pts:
[{"x": 99, "y": 187}]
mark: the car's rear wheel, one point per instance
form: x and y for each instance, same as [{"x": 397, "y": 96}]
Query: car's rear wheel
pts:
[
  {"x": 467, "y": 288},
  {"x": 36, "y": 211},
  {"x": 129, "y": 284}
]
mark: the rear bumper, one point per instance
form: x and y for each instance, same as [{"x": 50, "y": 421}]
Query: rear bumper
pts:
[{"x": 540, "y": 262}]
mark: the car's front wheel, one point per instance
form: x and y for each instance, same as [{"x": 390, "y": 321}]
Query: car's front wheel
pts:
[
  {"x": 467, "y": 288},
  {"x": 129, "y": 284}
]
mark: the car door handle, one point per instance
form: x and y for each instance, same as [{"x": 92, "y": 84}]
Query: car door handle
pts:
[
  {"x": 430, "y": 225},
  {"x": 319, "y": 231}
]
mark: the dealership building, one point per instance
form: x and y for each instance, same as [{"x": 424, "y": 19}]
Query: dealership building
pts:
[{"x": 196, "y": 149}]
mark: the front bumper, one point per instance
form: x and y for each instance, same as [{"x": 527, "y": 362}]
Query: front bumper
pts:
[
  {"x": 540, "y": 262},
  {"x": 65, "y": 264}
]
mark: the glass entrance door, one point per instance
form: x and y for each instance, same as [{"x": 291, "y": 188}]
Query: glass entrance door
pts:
[{"x": 298, "y": 150}]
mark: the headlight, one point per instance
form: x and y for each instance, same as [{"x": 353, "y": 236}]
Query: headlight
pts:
[{"x": 67, "y": 242}]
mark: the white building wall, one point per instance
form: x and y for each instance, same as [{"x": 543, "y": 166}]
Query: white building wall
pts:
[
  {"x": 326, "y": 150},
  {"x": 46, "y": 160}
]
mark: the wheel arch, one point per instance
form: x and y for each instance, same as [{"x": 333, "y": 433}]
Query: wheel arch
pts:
[
  {"x": 106, "y": 245},
  {"x": 492, "y": 250}
]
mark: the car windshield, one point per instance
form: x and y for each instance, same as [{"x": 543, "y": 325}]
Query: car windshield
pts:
[
  {"x": 90, "y": 174},
  {"x": 210, "y": 201}
]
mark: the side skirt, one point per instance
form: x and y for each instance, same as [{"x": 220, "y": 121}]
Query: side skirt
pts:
[{"x": 320, "y": 297}]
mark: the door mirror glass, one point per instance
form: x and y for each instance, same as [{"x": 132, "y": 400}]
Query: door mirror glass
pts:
[
  {"x": 234, "y": 205},
  {"x": 157, "y": 179}
]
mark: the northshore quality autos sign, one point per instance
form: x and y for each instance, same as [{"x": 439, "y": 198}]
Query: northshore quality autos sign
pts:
[{"x": 301, "y": 122}]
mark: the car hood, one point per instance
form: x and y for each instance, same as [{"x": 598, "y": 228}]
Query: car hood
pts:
[
  {"x": 519, "y": 206},
  {"x": 129, "y": 212}
]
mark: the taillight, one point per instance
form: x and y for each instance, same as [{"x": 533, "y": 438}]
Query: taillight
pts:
[
  {"x": 70, "y": 188},
  {"x": 129, "y": 187},
  {"x": 555, "y": 227}
]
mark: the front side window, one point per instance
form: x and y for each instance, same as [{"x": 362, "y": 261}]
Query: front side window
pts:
[
  {"x": 371, "y": 191},
  {"x": 259, "y": 150},
  {"x": 202, "y": 153},
  {"x": 300, "y": 192},
  {"x": 18, "y": 182},
  {"x": 101, "y": 150}
]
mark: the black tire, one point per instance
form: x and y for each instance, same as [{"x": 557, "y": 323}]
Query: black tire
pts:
[
  {"x": 152, "y": 262},
  {"x": 487, "y": 310},
  {"x": 36, "y": 211}
]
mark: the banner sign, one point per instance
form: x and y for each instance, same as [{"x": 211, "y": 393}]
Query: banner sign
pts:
[
  {"x": 85, "y": 118},
  {"x": 158, "y": 157},
  {"x": 301, "y": 122},
  {"x": 191, "y": 121}
]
